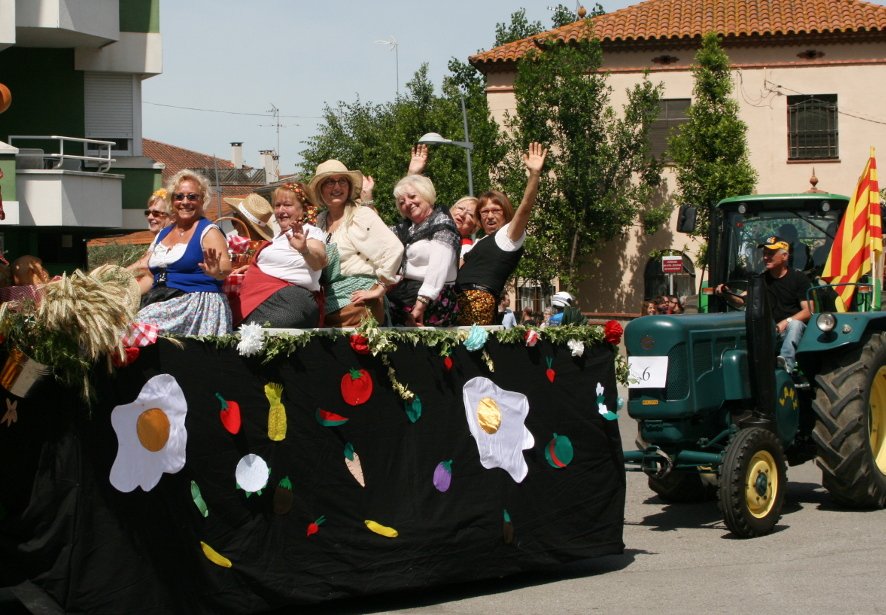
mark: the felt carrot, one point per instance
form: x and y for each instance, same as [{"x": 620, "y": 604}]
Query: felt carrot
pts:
[
  {"x": 352, "y": 461},
  {"x": 550, "y": 373}
]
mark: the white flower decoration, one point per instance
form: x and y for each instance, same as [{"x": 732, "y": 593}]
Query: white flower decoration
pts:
[
  {"x": 252, "y": 339},
  {"x": 151, "y": 435},
  {"x": 577, "y": 347}
]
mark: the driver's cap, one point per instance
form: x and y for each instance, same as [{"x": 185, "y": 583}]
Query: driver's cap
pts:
[{"x": 774, "y": 242}]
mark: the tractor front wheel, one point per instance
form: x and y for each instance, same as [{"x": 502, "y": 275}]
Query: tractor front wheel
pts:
[
  {"x": 850, "y": 430},
  {"x": 752, "y": 482}
]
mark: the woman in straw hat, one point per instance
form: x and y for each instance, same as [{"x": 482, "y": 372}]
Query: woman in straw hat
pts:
[
  {"x": 367, "y": 254},
  {"x": 258, "y": 215},
  {"x": 189, "y": 261},
  {"x": 282, "y": 285}
]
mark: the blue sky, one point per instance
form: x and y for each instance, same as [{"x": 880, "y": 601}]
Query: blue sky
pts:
[{"x": 245, "y": 57}]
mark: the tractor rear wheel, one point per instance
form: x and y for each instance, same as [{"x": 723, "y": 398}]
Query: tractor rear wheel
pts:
[
  {"x": 752, "y": 482},
  {"x": 850, "y": 431},
  {"x": 682, "y": 487}
]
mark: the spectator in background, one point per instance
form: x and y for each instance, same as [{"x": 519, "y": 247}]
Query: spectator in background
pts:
[
  {"x": 650, "y": 308},
  {"x": 508, "y": 319},
  {"x": 559, "y": 302},
  {"x": 29, "y": 271},
  {"x": 527, "y": 317}
]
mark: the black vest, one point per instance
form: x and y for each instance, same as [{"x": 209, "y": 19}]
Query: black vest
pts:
[{"x": 487, "y": 267}]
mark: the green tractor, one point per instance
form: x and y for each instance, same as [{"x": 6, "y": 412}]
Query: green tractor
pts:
[{"x": 718, "y": 418}]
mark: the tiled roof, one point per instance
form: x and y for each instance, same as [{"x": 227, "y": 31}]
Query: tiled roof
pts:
[
  {"x": 668, "y": 21},
  {"x": 178, "y": 158}
]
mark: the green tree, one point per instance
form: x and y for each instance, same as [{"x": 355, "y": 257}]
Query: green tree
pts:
[
  {"x": 377, "y": 138},
  {"x": 601, "y": 173},
  {"x": 519, "y": 27},
  {"x": 710, "y": 151}
]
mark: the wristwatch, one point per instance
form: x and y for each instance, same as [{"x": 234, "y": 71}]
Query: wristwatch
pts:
[{"x": 789, "y": 319}]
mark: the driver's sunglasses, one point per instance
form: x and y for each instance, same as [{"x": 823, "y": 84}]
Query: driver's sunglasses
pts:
[{"x": 181, "y": 196}]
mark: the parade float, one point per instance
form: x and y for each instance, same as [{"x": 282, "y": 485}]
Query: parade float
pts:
[{"x": 263, "y": 469}]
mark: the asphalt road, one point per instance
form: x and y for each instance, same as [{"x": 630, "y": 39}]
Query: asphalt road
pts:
[{"x": 682, "y": 559}]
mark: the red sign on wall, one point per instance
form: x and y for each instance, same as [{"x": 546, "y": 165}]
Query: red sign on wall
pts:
[{"x": 672, "y": 264}]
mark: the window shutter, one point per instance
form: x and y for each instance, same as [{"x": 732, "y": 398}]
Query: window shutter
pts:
[{"x": 110, "y": 107}]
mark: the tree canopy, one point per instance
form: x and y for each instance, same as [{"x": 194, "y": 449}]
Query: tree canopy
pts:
[
  {"x": 710, "y": 151},
  {"x": 601, "y": 174},
  {"x": 377, "y": 138}
]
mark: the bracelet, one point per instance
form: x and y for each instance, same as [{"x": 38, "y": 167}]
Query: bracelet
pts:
[{"x": 423, "y": 299}]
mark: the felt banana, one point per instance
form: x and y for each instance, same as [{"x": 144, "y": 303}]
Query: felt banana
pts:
[
  {"x": 214, "y": 556},
  {"x": 277, "y": 415},
  {"x": 381, "y": 530}
]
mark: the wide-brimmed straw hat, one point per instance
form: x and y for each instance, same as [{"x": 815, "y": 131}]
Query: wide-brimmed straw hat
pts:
[
  {"x": 256, "y": 212},
  {"x": 329, "y": 169}
]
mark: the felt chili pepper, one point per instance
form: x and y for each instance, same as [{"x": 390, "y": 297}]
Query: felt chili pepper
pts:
[
  {"x": 229, "y": 414},
  {"x": 447, "y": 362},
  {"x": 356, "y": 387}
]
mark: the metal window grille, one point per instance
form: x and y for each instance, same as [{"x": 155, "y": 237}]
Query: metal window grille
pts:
[
  {"x": 812, "y": 127},
  {"x": 672, "y": 114}
]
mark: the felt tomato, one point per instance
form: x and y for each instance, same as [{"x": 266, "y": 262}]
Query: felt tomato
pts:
[
  {"x": 314, "y": 526},
  {"x": 447, "y": 362},
  {"x": 229, "y": 414},
  {"x": 356, "y": 387},
  {"x": 549, "y": 372}
]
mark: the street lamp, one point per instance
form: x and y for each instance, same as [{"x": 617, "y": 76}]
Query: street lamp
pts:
[{"x": 433, "y": 138}]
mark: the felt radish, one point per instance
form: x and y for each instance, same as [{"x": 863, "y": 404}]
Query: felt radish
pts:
[
  {"x": 352, "y": 461},
  {"x": 443, "y": 476},
  {"x": 229, "y": 414},
  {"x": 550, "y": 373},
  {"x": 356, "y": 387},
  {"x": 314, "y": 526}
]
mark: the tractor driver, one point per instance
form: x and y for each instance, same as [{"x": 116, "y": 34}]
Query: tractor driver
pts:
[{"x": 786, "y": 293}]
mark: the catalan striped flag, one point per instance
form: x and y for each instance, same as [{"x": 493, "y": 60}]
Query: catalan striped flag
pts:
[{"x": 859, "y": 240}]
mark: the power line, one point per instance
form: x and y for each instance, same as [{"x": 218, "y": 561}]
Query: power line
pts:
[{"x": 310, "y": 117}]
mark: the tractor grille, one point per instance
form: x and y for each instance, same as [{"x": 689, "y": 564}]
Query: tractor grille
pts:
[{"x": 677, "y": 386}]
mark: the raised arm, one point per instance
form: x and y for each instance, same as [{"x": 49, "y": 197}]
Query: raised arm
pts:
[
  {"x": 419, "y": 160},
  {"x": 534, "y": 160}
]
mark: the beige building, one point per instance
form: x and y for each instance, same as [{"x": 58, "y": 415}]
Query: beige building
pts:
[{"x": 809, "y": 77}]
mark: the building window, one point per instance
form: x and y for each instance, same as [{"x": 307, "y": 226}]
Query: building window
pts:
[
  {"x": 657, "y": 283},
  {"x": 671, "y": 115},
  {"x": 812, "y": 127},
  {"x": 112, "y": 104}
]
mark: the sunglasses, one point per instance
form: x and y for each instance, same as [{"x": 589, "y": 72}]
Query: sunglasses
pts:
[
  {"x": 336, "y": 182},
  {"x": 152, "y": 212},
  {"x": 495, "y": 211},
  {"x": 181, "y": 196}
]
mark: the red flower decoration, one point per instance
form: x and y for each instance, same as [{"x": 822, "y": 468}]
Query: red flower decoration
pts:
[
  {"x": 130, "y": 355},
  {"x": 612, "y": 332},
  {"x": 359, "y": 343}
]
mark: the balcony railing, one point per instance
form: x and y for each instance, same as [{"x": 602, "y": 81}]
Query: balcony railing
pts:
[{"x": 58, "y": 159}]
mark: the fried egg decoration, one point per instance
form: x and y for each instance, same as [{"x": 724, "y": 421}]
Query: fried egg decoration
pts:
[
  {"x": 496, "y": 420},
  {"x": 151, "y": 435}
]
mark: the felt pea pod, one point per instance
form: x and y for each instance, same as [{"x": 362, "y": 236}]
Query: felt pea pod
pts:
[
  {"x": 277, "y": 414},
  {"x": 199, "y": 502}
]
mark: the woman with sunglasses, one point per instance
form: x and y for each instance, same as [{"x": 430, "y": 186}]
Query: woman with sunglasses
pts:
[
  {"x": 494, "y": 257},
  {"x": 366, "y": 253},
  {"x": 189, "y": 261},
  {"x": 157, "y": 217}
]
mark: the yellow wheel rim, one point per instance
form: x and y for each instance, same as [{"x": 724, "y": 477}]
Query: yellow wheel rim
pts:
[
  {"x": 877, "y": 419},
  {"x": 762, "y": 484}
]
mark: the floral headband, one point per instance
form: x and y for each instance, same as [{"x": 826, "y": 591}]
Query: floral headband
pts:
[
  {"x": 299, "y": 192},
  {"x": 160, "y": 192}
]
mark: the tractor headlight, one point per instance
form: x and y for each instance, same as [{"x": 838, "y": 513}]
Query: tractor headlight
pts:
[{"x": 826, "y": 322}]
